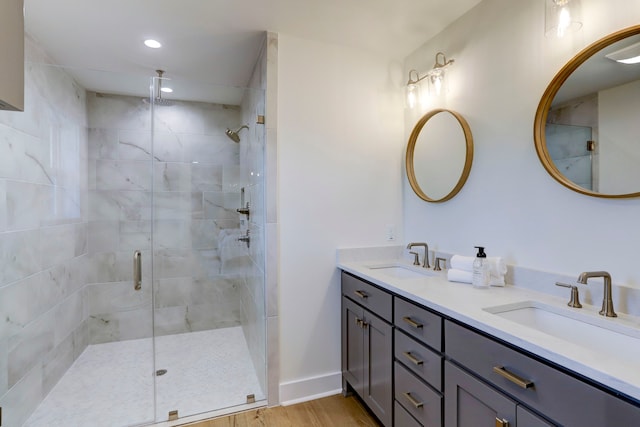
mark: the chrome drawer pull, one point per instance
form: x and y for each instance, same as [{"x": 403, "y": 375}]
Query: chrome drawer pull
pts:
[
  {"x": 412, "y": 358},
  {"x": 361, "y": 294},
  {"x": 412, "y": 322},
  {"x": 520, "y": 382},
  {"x": 413, "y": 401}
]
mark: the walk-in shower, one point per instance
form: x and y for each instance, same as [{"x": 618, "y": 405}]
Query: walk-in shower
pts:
[{"x": 90, "y": 179}]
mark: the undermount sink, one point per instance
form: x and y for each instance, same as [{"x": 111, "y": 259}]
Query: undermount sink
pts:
[
  {"x": 603, "y": 335},
  {"x": 399, "y": 271}
]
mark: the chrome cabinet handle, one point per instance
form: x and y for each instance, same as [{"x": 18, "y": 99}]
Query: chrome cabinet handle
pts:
[
  {"x": 137, "y": 270},
  {"x": 412, "y": 322},
  {"x": 412, "y": 400},
  {"x": 517, "y": 380},
  {"x": 412, "y": 358},
  {"x": 361, "y": 294}
]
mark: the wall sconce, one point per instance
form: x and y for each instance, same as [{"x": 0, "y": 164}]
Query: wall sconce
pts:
[
  {"x": 436, "y": 79},
  {"x": 562, "y": 16}
]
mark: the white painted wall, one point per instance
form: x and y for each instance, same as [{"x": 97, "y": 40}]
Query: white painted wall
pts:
[
  {"x": 510, "y": 204},
  {"x": 618, "y": 143},
  {"x": 340, "y": 150}
]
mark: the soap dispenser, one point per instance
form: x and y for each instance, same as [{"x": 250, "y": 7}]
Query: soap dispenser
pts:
[{"x": 480, "y": 277}]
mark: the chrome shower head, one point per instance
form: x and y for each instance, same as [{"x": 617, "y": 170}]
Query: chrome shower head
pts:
[
  {"x": 233, "y": 134},
  {"x": 158, "y": 99}
]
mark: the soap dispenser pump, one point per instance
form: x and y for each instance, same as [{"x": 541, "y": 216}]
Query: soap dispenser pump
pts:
[{"x": 480, "y": 276}]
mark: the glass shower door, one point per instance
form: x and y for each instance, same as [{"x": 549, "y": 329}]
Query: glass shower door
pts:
[{"x": 209, "y": 335}]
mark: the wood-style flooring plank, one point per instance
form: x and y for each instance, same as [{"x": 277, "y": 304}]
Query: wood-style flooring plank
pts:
[{"x": 329, "y": 411}]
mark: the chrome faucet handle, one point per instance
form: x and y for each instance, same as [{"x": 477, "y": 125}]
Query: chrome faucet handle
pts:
[
  {"x": 416, "y": 260},
  {"x": 575, "y": 298},
  {"x": 437, "y": 261}
]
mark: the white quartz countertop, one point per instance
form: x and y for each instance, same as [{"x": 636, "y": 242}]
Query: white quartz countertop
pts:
[{"x": 465, "y": 303}]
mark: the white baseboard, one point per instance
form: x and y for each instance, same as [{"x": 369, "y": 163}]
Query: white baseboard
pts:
[{"x": 310, "y": 388}]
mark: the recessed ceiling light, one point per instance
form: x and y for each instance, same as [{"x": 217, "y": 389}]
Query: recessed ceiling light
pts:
[
  {"x": 166, "y": 89},
  {"x": 627, "y": 55},
  {"x": 153, "y": 44}
]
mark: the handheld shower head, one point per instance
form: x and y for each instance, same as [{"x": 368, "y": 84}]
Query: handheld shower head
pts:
[{"x": 233, "y": 134}]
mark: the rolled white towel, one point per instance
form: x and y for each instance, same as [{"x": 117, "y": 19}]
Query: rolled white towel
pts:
[
  {"x": 497, "y": 266},
  {"x": 464, "y": 263},
  {"x": 455, "y": 275}
]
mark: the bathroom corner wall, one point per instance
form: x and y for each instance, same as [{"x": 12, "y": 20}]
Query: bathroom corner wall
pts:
[
  {"x": 43, "y": 232},
  {"x": 196, "y": 192}
]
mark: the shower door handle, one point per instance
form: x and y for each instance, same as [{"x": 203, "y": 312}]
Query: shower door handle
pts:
[{"x": 137, "y": 270}]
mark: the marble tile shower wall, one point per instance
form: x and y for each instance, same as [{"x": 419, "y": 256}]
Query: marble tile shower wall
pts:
[
  {"x": 195, "y": 182},
  {"x": 43, "y": 233}
]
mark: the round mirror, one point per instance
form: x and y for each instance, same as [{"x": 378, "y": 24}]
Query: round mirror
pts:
[
  {"x": 439, "y": 155},
  {"x": 586, "y": 127}
]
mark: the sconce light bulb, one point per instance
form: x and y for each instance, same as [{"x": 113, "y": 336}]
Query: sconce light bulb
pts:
[
  {"x": 437, "y": 83},
  {"x": 564, "y": 21},
  {"x": 412, "y": 95}
]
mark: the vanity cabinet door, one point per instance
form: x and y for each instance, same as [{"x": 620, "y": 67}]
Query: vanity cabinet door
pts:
[
  {"x": 352, "y": 345},
  {"x": 378, "y": 367},
  {"x": 469, "y": 402},
  {"x": 367, "y": 359}
]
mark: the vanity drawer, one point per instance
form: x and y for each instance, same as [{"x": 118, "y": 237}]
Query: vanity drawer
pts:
[
  {"x": 563, "y": 398},
  {"x": 419, "y": 359},
  {"x": 423, "y": 403},
  {"x": 418, "y": 322},
  {"x": 372, "y": 298},
  {"x": 402, "y": 418}
]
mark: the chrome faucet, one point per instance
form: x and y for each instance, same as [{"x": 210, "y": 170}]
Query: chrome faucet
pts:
[
  {"x": 607, "y": 302},
  {"x": 425, "y": 263}
]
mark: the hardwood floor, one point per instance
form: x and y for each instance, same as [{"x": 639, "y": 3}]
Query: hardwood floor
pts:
[{"x": 330, "y": 411}]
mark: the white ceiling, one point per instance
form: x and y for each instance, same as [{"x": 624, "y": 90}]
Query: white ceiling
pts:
[{"x": 217, "y": 42}]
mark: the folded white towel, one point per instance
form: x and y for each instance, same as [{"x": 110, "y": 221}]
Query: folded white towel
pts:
[
  {"x": 454, "y": 275},
  {"x": 497, "y": 266}
]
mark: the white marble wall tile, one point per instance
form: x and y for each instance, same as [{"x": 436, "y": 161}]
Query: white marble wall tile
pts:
[
  {"x": 125, "y": 205},
  {"x": 103, "y": 236},
  {"x": 173, "y": 292},
  {"x": 123, "y": 175},
  {"x": 103, "y": 144},
  {"x": 211, "y": 148},
  {"x": 204, "y": 234},
  {"x": 81, "y": 239},
  {"x": 206, "y": 263},
  {"x": 120, "y": 326},
  {"x": 24, "y": 157},
  {"x": 271, "y": 269},
  {"x": 219, "y": 205},
  {"x": 197, "y": 205},
  {"x": 27, "y": 348},
  {"x": 23, "y": 301},
  {"x": 172, "y": 176},
  {"x": 116, "y": 297},
  {"x": 19, "y": 255},
  {"x": 80, "y": 338},
  {"x": 56, "y": 363},
  {"x": 26, "y": 208},
  {"x": 172, "y": 205},
  {"x": 169, "y": 147},
  {"x": 4, "y": 369},
  {"x": 3, "y": 205},
  {"x": 207, "y": 177},
  {"x": 197, "y": 118},
  {"x": 57, "y": 244},
  {"x": 22, "y": 399},
  {"x": 173, "y": 263},
  {"x": 172, "y": 234},
  {"x": 134, "y": 235},
  {"x": 231, "y": 181},
  {"x": 134, "y": 144},
  {"x": 122, "y": 112}
]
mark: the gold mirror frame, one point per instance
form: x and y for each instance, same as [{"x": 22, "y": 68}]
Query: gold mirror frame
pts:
[
  {"x": 413, "y": 138},
  {"x": 545, "y": 104}
]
